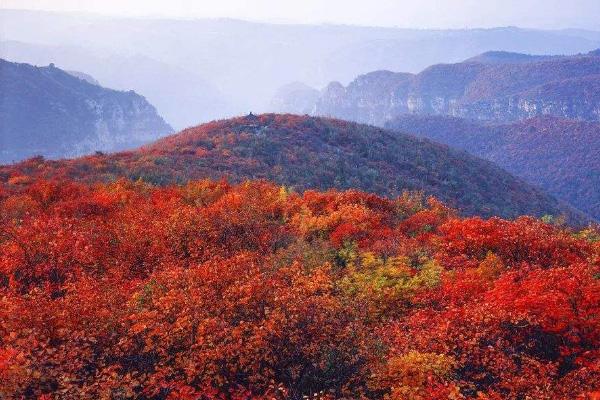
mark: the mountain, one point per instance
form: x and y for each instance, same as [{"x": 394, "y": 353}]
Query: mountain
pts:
[
  {"x": 497, "y": 86},
  {"x": 244, "y": 63},
  {"x": 181, "y": 96},
  {"x": 304, "y": 152},
  {"x": 47, "y": 111},
  {"x": 560, "y": 156}
]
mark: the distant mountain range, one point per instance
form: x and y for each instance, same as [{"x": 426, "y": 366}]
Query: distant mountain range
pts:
[
  {"x": 197, "y": 70},
  {"x": 496, "y": 86},
  {"x": 304, "y": 152},
  {"x": 560, "y": 156},
  {"x": 507, "y": 57},
  {"x": 47, "y": 111}
]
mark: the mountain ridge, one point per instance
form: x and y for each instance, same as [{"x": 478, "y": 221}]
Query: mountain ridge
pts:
[
  {"x": 564, "y": 86},
  {"x": 47, "y": 111},
  {"x": 248, "y": 61}
]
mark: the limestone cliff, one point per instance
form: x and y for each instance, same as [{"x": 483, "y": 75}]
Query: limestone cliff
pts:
[
  {"x": 47, "y": 111},
  {"x": 566, "y": 87}
]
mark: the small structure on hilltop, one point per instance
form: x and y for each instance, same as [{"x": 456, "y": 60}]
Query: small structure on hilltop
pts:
[{"x": 251, "y": 117}]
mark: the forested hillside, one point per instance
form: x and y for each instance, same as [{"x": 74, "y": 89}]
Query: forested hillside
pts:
[
  {"x": 361, "y": 209},
  {"x": 560, "y": 156},
  {"x": 307, "y": 152}
]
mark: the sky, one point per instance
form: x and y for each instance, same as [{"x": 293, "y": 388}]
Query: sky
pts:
[{"x": 549, "y": 14}]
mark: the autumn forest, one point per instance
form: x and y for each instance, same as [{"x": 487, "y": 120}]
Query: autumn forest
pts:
[
  {"x": 299, "y": 200},
  {"x": 217, "y": 291}
]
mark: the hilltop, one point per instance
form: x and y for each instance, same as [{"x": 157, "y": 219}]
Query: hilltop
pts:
[{"x": 304, "y": 152}]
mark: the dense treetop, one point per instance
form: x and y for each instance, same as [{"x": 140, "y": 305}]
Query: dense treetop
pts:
[{"x": 211, "y": 291}]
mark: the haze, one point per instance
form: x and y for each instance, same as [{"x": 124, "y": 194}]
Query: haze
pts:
[
  {"x": 547, "y": 14},
  {"x": 195, "y": 66}
]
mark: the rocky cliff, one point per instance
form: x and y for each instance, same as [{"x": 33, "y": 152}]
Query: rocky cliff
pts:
[
  {"x": 47, "y": 111},
  {"x": 490, "y": 87}
]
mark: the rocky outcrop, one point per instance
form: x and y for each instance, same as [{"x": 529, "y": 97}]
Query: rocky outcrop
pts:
[
  {"x": 567, "y": 87},
  {"x": 47, "y": 111},
  {"x": 86, "y": 77}
]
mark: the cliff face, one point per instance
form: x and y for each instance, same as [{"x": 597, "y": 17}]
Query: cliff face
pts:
[
  {"x": 46, "y": 111},
  {"x": 567, "y": 87},
  {"x": 370, "y": 98}
]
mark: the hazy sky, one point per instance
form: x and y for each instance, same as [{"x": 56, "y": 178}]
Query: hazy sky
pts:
[{"x": 403, "y": 13}]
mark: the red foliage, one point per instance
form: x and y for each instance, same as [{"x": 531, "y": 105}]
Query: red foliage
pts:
[{"x": 214, "y": 291}]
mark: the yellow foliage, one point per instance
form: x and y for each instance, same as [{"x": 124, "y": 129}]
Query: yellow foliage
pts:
[
  {"x": 491, "y": 267},
  {"x": 407, "y": 376},
  {"x": 428, "y": 277},
  {"x": 387, "y": 285}
]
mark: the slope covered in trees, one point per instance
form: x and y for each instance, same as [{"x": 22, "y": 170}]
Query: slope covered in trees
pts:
[
  {"x": 560, "y": 156},
  {"x": 211, "y": 291},
  {"x": 306, "y": 152}
]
